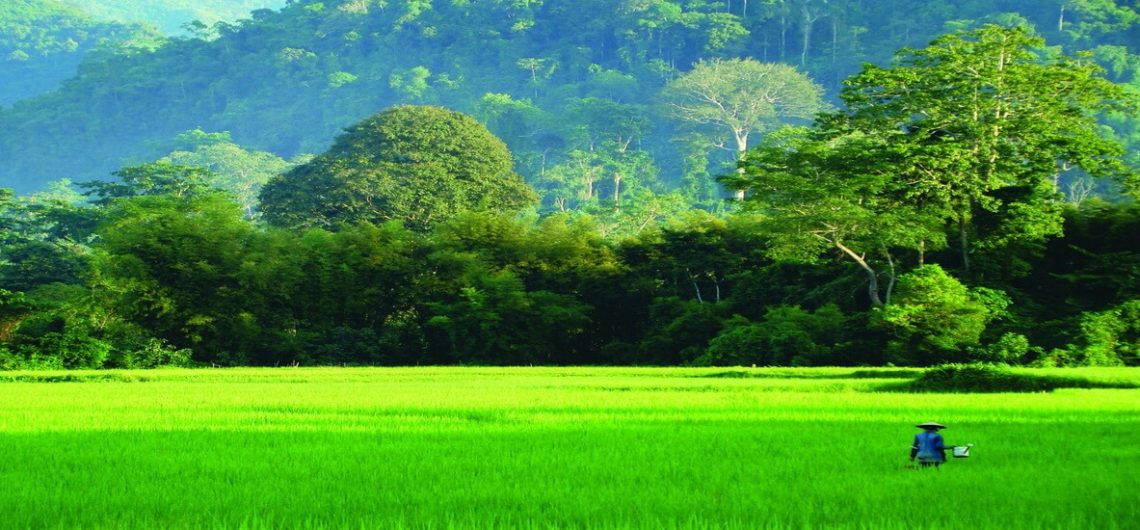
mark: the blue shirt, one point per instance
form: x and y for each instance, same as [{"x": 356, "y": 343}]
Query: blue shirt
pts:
[{"x": 928, "y": 447}]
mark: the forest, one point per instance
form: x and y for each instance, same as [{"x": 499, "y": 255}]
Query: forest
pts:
[{"x": 649, "y": 182}]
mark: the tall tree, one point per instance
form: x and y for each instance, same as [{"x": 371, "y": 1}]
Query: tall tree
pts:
[
  {"x": 741, "y": 97},
  {"x": 983, "y": 111}
]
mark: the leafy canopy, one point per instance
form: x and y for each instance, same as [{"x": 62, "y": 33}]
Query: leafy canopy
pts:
[{"x": 415, "y": 164}]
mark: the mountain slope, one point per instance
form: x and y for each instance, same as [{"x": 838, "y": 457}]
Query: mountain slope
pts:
[
  {"x": 43, "y": 41},
  {"x": 169, "y": 16},
  {"x": 552, "y": 78}
]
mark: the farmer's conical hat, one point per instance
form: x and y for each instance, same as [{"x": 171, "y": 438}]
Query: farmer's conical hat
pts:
[{"x": 930, "y": 425}]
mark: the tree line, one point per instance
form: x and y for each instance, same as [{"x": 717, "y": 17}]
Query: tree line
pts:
[{"x": 922, "y": 222}]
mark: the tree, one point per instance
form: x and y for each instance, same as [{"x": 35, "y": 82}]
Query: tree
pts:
[
  {"x": 416, "y": 164},
  {"x": 983, "y": 111},
  {"x": 741, "y": 97},
  {"x": 171, "y": 265},
  {"x": 935, "y": 318},
  {"x": 154, "y": 178},
  {"x": 832, "y": 192},
  {"x": 787, "y": 335},
  {"x": 239, "y": 171}
]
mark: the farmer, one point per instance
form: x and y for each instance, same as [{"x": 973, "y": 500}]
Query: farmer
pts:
[{"x": 928, "y": 447}]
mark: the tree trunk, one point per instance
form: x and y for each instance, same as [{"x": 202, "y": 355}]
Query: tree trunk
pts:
[
  {"x": 872, "y": 277},
  {"x": 891, "y": 278},
  {"x": 783, "y": 36},
  {"x": 964, "y": 242},
  {"x": 696, "y": 287},
  {"x": 741, "y": 150},
  {"x": 617, "y": 190},
  {"x": 807, "y": 23}
]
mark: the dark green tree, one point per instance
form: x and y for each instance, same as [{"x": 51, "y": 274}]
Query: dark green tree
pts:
[
  {"x": 416, "y": 164},
  {"x": 172, "y": 266},
  {"x": 827, "y": 193}
]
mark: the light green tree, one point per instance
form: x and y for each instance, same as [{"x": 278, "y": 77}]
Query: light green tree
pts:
[
  {"x": 935, "y": 319},
  {"x": 239, "y": 171},
  {"x": 731, "y": 100}
]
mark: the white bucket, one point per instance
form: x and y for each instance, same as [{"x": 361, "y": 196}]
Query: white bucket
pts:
[{"x": 962, "y": 451}]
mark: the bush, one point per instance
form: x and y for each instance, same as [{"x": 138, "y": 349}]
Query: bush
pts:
[
  {"x": 1010, "y": 348},
  {"x": 153, "y": 353},
  {"x": 680, "y": 331},
  {"x": 935, "y": 318},
  {"x": 9, "y": 360},
  {"x": 72, "y": 349},
  {"x": 787, "y": 336},
  {"x": 993, "y": 378}
]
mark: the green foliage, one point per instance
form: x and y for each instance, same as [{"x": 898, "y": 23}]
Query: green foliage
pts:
[
  {"x": 786, "y": 336},
  {"x": 494, "y": 320},
  {"x": 1010, "y": 348},
  {"x": 72, "y": 349},
  {"x": 414, "y": 250},
  {"x": 153, "y": 178},
  {"x": 170, "y": 264},
  {"x": 834, "y": 192},
  {"x": 973, "y": 378},
  {"x": 43, "y": 41},
  {"x": 1104, "y": 338},
  {"x": 230, "y": 167},
  {"x": 417, "y": 165},
  {"x": 933, "y": 318},
  {"x": 153, "y": 353},
  {"x": 127, "y": 102},
  {"x": 680, "y": 330},
  {"x": 732, "y": 99},
  {"x": 984, "y": 113}
]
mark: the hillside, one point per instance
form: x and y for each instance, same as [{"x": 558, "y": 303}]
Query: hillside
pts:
[
  {"x": 169, "y": 16},
  {"x": 558, "y": 80},
  {"x": 43, "y": 41}
]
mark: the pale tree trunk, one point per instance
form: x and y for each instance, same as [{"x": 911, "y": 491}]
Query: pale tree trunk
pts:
[
  {"x": 872, "y": 276},
  {"x": 617, "y": 190},
  {"x": 891, "y": 278},
  {"x": 741, "y": 150},
  {"x": 806, "y": 24},
  {"x": 696, "y": 287},
  {"x": 783, "y": 36}
]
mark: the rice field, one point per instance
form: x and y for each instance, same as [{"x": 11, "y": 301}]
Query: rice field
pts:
[{"x": 554, "y": 448}]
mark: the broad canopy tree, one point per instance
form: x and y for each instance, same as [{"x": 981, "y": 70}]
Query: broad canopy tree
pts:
[
  {"x": 416, "y": 164},
  {"x": 983, "y": 111},
  {"x": 741, "y": 97},
  {"x": 977, "y": 123}
]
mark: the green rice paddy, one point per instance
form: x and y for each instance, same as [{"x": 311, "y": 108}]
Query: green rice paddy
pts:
[{"x": 554, "y": 448}]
